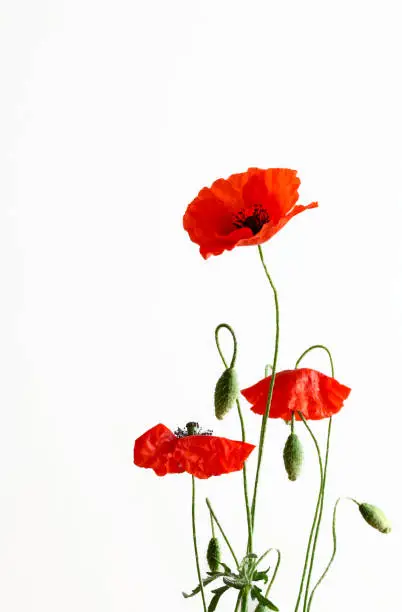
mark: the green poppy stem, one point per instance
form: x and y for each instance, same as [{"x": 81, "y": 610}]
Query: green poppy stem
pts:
[
  {"x": 271, "y": 387},
  {"x": 238, "y": 602},
  {"x": 197, "y": 561},
  {"x": 313, "y": 538},
  {"x": 222, "y": 532},
  {"x": 243, "y": 429},
  {"x": 333, "y": 553}
]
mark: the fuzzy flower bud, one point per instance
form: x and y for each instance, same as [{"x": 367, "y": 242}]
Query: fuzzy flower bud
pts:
[
  {"x": 214, "y": 554},
  {"x": 226, "y": 392},
  {"x": 375, "y": 517},
  {"x": 293, "y": 456}
]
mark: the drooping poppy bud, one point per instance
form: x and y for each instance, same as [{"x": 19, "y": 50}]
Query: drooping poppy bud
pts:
[
  {"x": 226, "y": 392},
  {"x": 293, "y": 456},
  {"x": 375, "y": 517},
  {"x": 214, "y": 554}
]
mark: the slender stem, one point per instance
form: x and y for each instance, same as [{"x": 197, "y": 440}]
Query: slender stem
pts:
[
  {"x": 275, "y": 572},
  {"x": 271, "y": 388},
  {"x": 218, "y": 346},
  {"x": 333, "y": 553},
  {"x": 244, "y": 600},
  {"x": 222, "y": 532},
  {"x": 197, "y": 561},
  {"x": 317, "y": 509},
  {"x": 324, "y": 478},
  {"x": 317, "y": 346},
  {"x": 238, "y": 602},
  {"x": 320, "y": 502},
  {"x": 212, "y": 524},
  {"x": 243, "y": 429}
]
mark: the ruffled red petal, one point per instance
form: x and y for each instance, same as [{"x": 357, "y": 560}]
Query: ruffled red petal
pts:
[
  {"x": 205, "y": 456},
  {"x": 312, "y": 393},
  {"x": 209, "y": 219},
  {"x": 155, "y": 450},
  {"x": 202, "y": 456}
]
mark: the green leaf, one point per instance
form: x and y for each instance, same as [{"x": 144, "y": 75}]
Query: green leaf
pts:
[
  {"x": 226, "y": 568},
  {"x": 214, "y": 601},
  {"x": 260, "y": 576},
  {"x": 235, "y": 582},
  {"x": 205, "y": 583},
  {"x": 256, "y": 594}
]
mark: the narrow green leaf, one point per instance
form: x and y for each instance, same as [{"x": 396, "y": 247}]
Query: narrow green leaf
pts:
[
  {"x": 236, "y": 583},
  {"x": 226, "y": 568},
  {"x": 215, "y": 600},
  {"x": 260, "y": 576},
  {"x": 256, "y": 594},
  {"x": 205, "y": 583}
]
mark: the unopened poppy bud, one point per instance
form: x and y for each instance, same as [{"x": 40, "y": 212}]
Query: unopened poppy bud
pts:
[
  {"x": 375, "y": 517},
  {"x": 226, "y": 392},
  {"x": 293, "y": 456},
  {"x": 214, "y": 554}
]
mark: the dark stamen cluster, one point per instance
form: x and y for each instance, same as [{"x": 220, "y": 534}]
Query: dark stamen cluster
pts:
[
  {"x": 254, "y": 221},
  {"x": 192, "y": 429}
]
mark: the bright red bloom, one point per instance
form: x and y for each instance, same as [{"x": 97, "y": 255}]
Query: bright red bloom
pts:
[
  {"x": 312, "y": 393},
  {"x": 200, "y": 455},
  {"x": 245, "y": 209}
]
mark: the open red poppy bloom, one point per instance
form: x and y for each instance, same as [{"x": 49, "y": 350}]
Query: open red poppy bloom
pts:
[
  {"x": 201, "y": 455},
  {"x": 312, "y": 393},
  {"x": 245, "y": 209}
]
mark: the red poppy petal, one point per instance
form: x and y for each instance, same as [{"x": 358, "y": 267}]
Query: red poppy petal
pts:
[
  {"x": 205, "y": 456},
  {"x": 283, "y": 183},
  {"x": 312, "y": 393},
  {"x": 155, "y": 449},
  {"x": 210, "y": 217}
]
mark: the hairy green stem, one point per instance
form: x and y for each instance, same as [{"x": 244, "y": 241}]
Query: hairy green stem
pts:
[
  {"x": 197, "y": 561},
  {"x": 322, "y": 493},
  {"x": 317, "y": 509},
  {"x": 333, "y": 553},
  {"x": 238, "y": 602},
  {"x": 271, "y": 582},
  {"x": 320, "y": 502},
  {"x": 222, "y": 532},
  {"x": 271, "y": 387},
  {"x": 243, "y": 429}
]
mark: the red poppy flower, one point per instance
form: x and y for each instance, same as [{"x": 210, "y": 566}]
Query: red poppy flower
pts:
[
  {"x": 307, "y": 391},
  {"x": 245, "y": 209},
  {"x": 201, "y": 454}
]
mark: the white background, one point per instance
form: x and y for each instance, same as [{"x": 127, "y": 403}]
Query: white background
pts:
[{"x": 112, "y": 116}]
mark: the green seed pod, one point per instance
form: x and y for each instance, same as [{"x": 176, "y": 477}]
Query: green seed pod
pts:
[
  {"x": 293, "y": 456},
  {"x": 226, "y": 392},
  {"x": 214, "y": 554},
  {"x": 375, "y": 517}
]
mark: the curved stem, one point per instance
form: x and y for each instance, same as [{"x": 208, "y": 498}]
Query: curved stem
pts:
[
  {"x": 271, "y": 387},
  {"x": 278, "y": 562},
  {"x": 317, "y": 509},
  {"x": 218, "y": 346},
  {"x": 222, "y": 532},
  {"x": 322, "y": 493},
  {"x": 197, "y": 561},
  {"x": 317, "y": 346},
  {"x": 243, "y": 429},
  {"x": 320, "y": 502},
  {"x": 333, "y": 553}
]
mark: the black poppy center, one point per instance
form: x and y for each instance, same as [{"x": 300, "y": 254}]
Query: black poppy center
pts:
[
  {"x": 192, "y": 429},
  {"x": 254, "y": 218}
]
